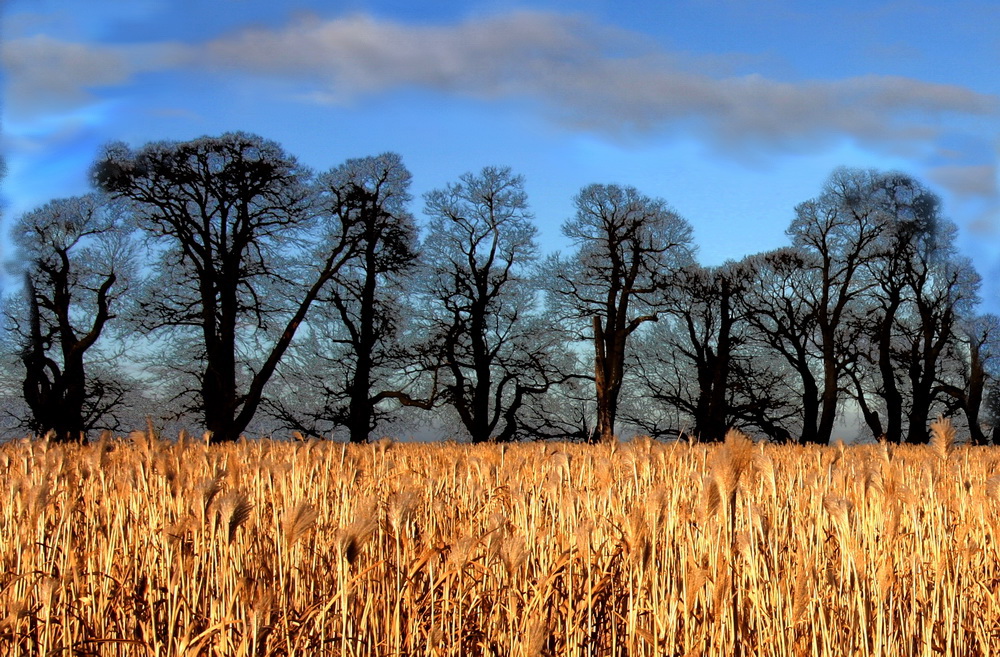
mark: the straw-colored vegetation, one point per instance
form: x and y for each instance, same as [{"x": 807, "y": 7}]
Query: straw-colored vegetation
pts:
[{"x": 142, "y": 546}]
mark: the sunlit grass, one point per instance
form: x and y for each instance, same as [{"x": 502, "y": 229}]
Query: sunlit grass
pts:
[{"x": 140, "y": 546}]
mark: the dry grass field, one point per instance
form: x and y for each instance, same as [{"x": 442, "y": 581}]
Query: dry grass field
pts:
[{"x": 146, "y": 547}]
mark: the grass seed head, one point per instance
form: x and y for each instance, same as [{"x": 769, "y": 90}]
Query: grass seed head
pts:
[
  {"x": 942, "y": 437},
  {"x": 733, "y": 459},
  {"x": 297, "y": 521}
]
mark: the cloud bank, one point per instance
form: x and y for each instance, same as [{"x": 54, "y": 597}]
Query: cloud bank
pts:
[
  {"x": 46, "y": 74},
  {"x": 590, "y": 76},
  {"x": 583, "y": 74}
]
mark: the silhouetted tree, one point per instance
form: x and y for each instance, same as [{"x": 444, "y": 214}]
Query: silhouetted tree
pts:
[
  {"x": 842, "y": 228},
  {"x": 909, "y": 234},
  {"x": 492, "y": 350},
  {"x": 352, "y": 345},
  {"x": 973, "y": 366},
  {"x": 778, "y": 307},
  {"x": 244, "y": 251},
  {"x": 942, "y": 294},
  {"x": 701, "y": 359},
  {"x": 628, "y": 247},
  {"x": 76, "y": 259}
]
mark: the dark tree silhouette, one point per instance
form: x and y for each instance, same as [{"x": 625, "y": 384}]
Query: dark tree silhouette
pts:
[
  {"x": 76, "y": 260},
  {"x": 244, "y": 253},
  {"x": 941, "y": 296},
  {"x": 709, "y": 315},
  {"x": 908, "y": 231},
  {"x": 628, "y": 248},
  {"x": 354, "y": 336},
  {"x": 973, "y": 361},
  {"x": 701, "y": 359},
  {"x": 492, "y": 350},
  {"x": 778, "y": 307}
]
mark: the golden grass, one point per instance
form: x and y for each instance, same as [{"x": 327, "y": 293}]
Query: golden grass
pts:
[{"x": 147, "y": 547}]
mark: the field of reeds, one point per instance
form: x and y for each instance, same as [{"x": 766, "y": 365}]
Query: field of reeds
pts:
[{"x": 141, "y": 546}]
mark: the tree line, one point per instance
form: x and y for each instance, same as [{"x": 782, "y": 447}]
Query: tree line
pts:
[{"x": 222, "y": 282}]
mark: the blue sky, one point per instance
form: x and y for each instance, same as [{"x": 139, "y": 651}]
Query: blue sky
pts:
[{"x": 733, "y": 111}]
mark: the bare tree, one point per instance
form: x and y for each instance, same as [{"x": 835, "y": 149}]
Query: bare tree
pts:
[
  {"x": 909, "y": 234},
  {"x": 243, "y": 254},
  {"x": 352, "y": 347},
  {"x": 628, "y": 247},
  {"x": 843, "y": 229},
  {"x": 974, "y": 361},
  {"x": 702, "y": 360},
  {"x": 942, "y": 293},
  {"x": 493, "y": 351},
  {"x": 778, "y": 306},
  {"x": 76, "y": 259}
]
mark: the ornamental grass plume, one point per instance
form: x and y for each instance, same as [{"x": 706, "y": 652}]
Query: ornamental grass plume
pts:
[
  {"x": 733, "y": 460},
  {"x": 298, "y": 521},
  {"x": 942, "y": 437}
]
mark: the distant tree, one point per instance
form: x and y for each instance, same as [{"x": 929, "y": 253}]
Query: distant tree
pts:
[
  {"x": 243, "y": 253},
  {"x": 843, "y": 229},
  {"x": 943, "y": 293},
  {"x": 628, "y": 248},
  {"x": 492, "y": 350},
  {"x": 778, "y": 306},
  {"x": 701, "y": 359},
  {"x": 76, "y": 259},
  {"x": 352, "y": 346},
  {"x": 687, "y": 359},
  {"x": 974, "y": 364},
  {"x": 908, "y": 234}
]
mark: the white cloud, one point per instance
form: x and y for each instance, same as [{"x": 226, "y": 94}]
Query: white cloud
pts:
[
  {"x": 590, "y": 75},
  {"x": 45, "y": 74},
  {"x": 581, "y": 73},
  {"x": 968, "y": 181},
  {"x": 359, "y": 54}
]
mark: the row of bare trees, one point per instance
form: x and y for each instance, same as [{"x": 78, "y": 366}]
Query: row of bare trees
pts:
[
  {"x": 222, "y": 281},
  {"x": 870, "y": 309}
]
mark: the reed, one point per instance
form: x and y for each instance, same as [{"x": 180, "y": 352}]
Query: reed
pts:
[{"x": 138, "y": 545}]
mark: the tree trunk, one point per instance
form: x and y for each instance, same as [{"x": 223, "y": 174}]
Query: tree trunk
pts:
[
  {"x": 717, "y": 420},
  {"x": 810, "y": 412},
  {"x": 68, "y": 423},
  {"x": 360, "y": 407},
  {"x": 359, "y": 410},
  {"x": 604, "y": 430},
  {"x": 920, "y": 407},
  {"x": 891, "y": 395},
  {"x": 831, "y": 390},
  {"x": 219, "y": 390}
]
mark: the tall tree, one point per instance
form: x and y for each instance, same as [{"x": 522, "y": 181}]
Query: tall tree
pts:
[
  {"x": 943, "y": 292},
  {"x": 778, "y": 306},
  {"x": 843, "y": 228},
  {"x": 628, "y": 247},
  {"x": 76, "y": 259},
  {"x": 702, "y": 360},
  {"x": 974, "y": 363},
  {"x": 243, "y": 252},
  {"x": 493, "y": 349},
  {"x": 353, "y": 339},
  {"x": 908, "y": 232}
]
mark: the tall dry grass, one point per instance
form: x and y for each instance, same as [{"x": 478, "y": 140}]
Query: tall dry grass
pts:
[{"x": 147, "y": 547}]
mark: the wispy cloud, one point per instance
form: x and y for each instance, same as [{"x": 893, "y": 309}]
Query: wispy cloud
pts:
[
  {"x": 593, "y": 76},
  {"x": 968, "y": 181},
  {"x": 47, "y": 74},
  {"x": 581, "y": 73}
]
